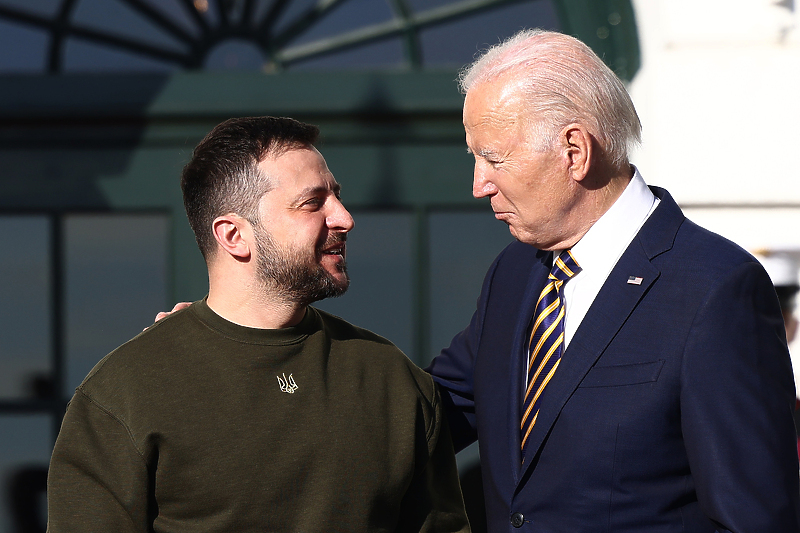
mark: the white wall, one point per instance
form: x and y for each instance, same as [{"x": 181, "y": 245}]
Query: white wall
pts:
[
  {"x": 718, "y": 95},
  {"x": 719, "y": 99}
]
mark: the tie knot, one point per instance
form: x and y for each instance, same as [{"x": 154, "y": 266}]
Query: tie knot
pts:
[{"x": 564, "y": 267}]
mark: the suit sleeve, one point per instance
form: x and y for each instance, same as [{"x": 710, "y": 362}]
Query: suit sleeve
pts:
[
  {"x": 433, "y": 502},
  {"x": 737, "y": 398},
  {"x": 97, "y": 480},
  {"x": 453, "y": 370}
]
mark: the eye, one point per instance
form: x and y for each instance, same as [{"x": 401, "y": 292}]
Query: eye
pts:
[
  {"x": 312, "y": 204},
  {"x": 490, "y": 157}
]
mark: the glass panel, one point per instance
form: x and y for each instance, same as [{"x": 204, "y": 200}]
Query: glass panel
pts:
[
  {"x": 346, "y": 17},
  {"x": 24, "y": 49},
  {"x": 290, "y": 13},
  {"x": 25, "y": 445},
  {"x": 235, "y": 54},
  {"x": 117, "y": 19},
  {"x": 418, "y": 6},
  {"x": 82, "y": 56},
  {"x": 384, "y": 53},
  {"x": 456, "y": 43},
  {"x": 462, "y": 246},
  {"x": 116, "y": 282},
  {"x": 39, "y": 7},
  {"x": 379, "y": 261},
  {"x": 177, "y": 12},
  {"x": 24, "y": 306}
]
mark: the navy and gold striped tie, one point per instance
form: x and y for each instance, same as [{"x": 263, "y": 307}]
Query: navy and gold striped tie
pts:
[{"x": 546, "y": 341}]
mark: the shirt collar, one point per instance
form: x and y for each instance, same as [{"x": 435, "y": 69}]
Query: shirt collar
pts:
[{"x": 610, "y": 236}]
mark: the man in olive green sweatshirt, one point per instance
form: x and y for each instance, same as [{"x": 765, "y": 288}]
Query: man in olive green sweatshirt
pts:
[{"x": 251, "y": 410}]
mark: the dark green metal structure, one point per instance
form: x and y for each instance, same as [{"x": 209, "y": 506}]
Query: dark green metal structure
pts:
[
  {"x": 117, "y": 142},
  {"x": 606, "y": 25}
]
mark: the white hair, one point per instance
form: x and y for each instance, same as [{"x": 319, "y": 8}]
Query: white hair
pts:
[{"x": 563, "y": 82}]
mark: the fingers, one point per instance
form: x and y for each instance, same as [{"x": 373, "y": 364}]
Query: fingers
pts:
[{"x": 178, "y": 307}]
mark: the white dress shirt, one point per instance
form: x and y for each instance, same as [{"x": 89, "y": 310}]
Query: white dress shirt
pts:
[{"x": 599, "y": 250}]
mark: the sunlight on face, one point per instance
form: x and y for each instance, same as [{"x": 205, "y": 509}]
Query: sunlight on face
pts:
[
  {"x": 301, "y": 236},
  {"x": 528, "y": 189}
]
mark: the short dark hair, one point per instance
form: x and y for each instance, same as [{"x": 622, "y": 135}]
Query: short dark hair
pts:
[{"x": 223, "y": 177}]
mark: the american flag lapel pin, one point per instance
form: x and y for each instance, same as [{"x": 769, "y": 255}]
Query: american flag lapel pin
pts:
[{"x": 634, "y": 280}]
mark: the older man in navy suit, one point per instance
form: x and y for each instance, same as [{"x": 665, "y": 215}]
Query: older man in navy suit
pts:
[{"x": 625, "y": 369}]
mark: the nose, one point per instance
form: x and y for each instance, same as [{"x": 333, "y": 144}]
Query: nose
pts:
[
  {"x": 339, "y": 218},
  {"x": 481, "y": 186}
]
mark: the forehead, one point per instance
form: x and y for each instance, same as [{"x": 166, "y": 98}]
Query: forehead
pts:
[
  {"x": 493, "y": 109},
  {"x": 297, "y": 169}
]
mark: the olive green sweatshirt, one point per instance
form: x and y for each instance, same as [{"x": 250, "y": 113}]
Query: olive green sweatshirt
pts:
[{"x": 200, "y": 425}]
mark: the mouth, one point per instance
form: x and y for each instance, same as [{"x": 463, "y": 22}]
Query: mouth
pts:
[
  {"x": 503, "y": 216},
  {"x": 335, "y": 250},
  {"x": 335, "y": 246}
]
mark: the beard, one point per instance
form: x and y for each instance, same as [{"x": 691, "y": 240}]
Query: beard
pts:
[{"x": 298, "y": 277}]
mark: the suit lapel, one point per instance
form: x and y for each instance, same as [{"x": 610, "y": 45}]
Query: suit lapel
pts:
[
  {"x": 613, "y": 305},
  {"x": 536, "y": 281}
]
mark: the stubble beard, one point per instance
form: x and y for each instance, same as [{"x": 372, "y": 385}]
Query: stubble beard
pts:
[{"x": 298, "y": 278}]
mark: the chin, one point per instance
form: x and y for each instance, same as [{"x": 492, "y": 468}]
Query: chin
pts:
[
  {"x": 527, "y": 238},
  {"x": 338, "y": 276},
  {"x": 514, "y": 233}
]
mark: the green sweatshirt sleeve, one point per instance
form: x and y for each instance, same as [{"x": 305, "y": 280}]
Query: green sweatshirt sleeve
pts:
[
  {"x": 98, "y": 480},
  {"x": 434, "y": 503}
]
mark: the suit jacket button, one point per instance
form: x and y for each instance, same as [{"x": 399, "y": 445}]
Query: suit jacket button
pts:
[{"x": 517, "y": 519}]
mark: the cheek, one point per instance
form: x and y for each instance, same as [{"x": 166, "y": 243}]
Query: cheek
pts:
[
  {"x": 538, "y": 207},
  {"x": 525, "y": 195},
  {"x": 318, "y": 234}
]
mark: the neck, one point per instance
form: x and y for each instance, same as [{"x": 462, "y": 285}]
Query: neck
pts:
[
  {"x": 248, "y": 303},
  {"x": 599, "y": 198},
  {"x": 608, "y": 195}
]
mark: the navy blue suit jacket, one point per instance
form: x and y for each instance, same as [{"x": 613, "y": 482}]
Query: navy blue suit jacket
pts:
[{"x": 671, "y": 410}]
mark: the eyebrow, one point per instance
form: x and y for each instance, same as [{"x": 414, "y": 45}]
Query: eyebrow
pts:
[
  {"x": 311, "y": 191},
  {"x": 483, "y": 152}
]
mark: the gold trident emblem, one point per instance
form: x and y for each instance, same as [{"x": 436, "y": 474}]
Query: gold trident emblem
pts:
[{"x": 287, "y": 385}]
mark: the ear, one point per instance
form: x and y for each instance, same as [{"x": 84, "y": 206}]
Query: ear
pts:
[
  {"x": 578, "y": 150},
  {"x": 231, "y": 232}
]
